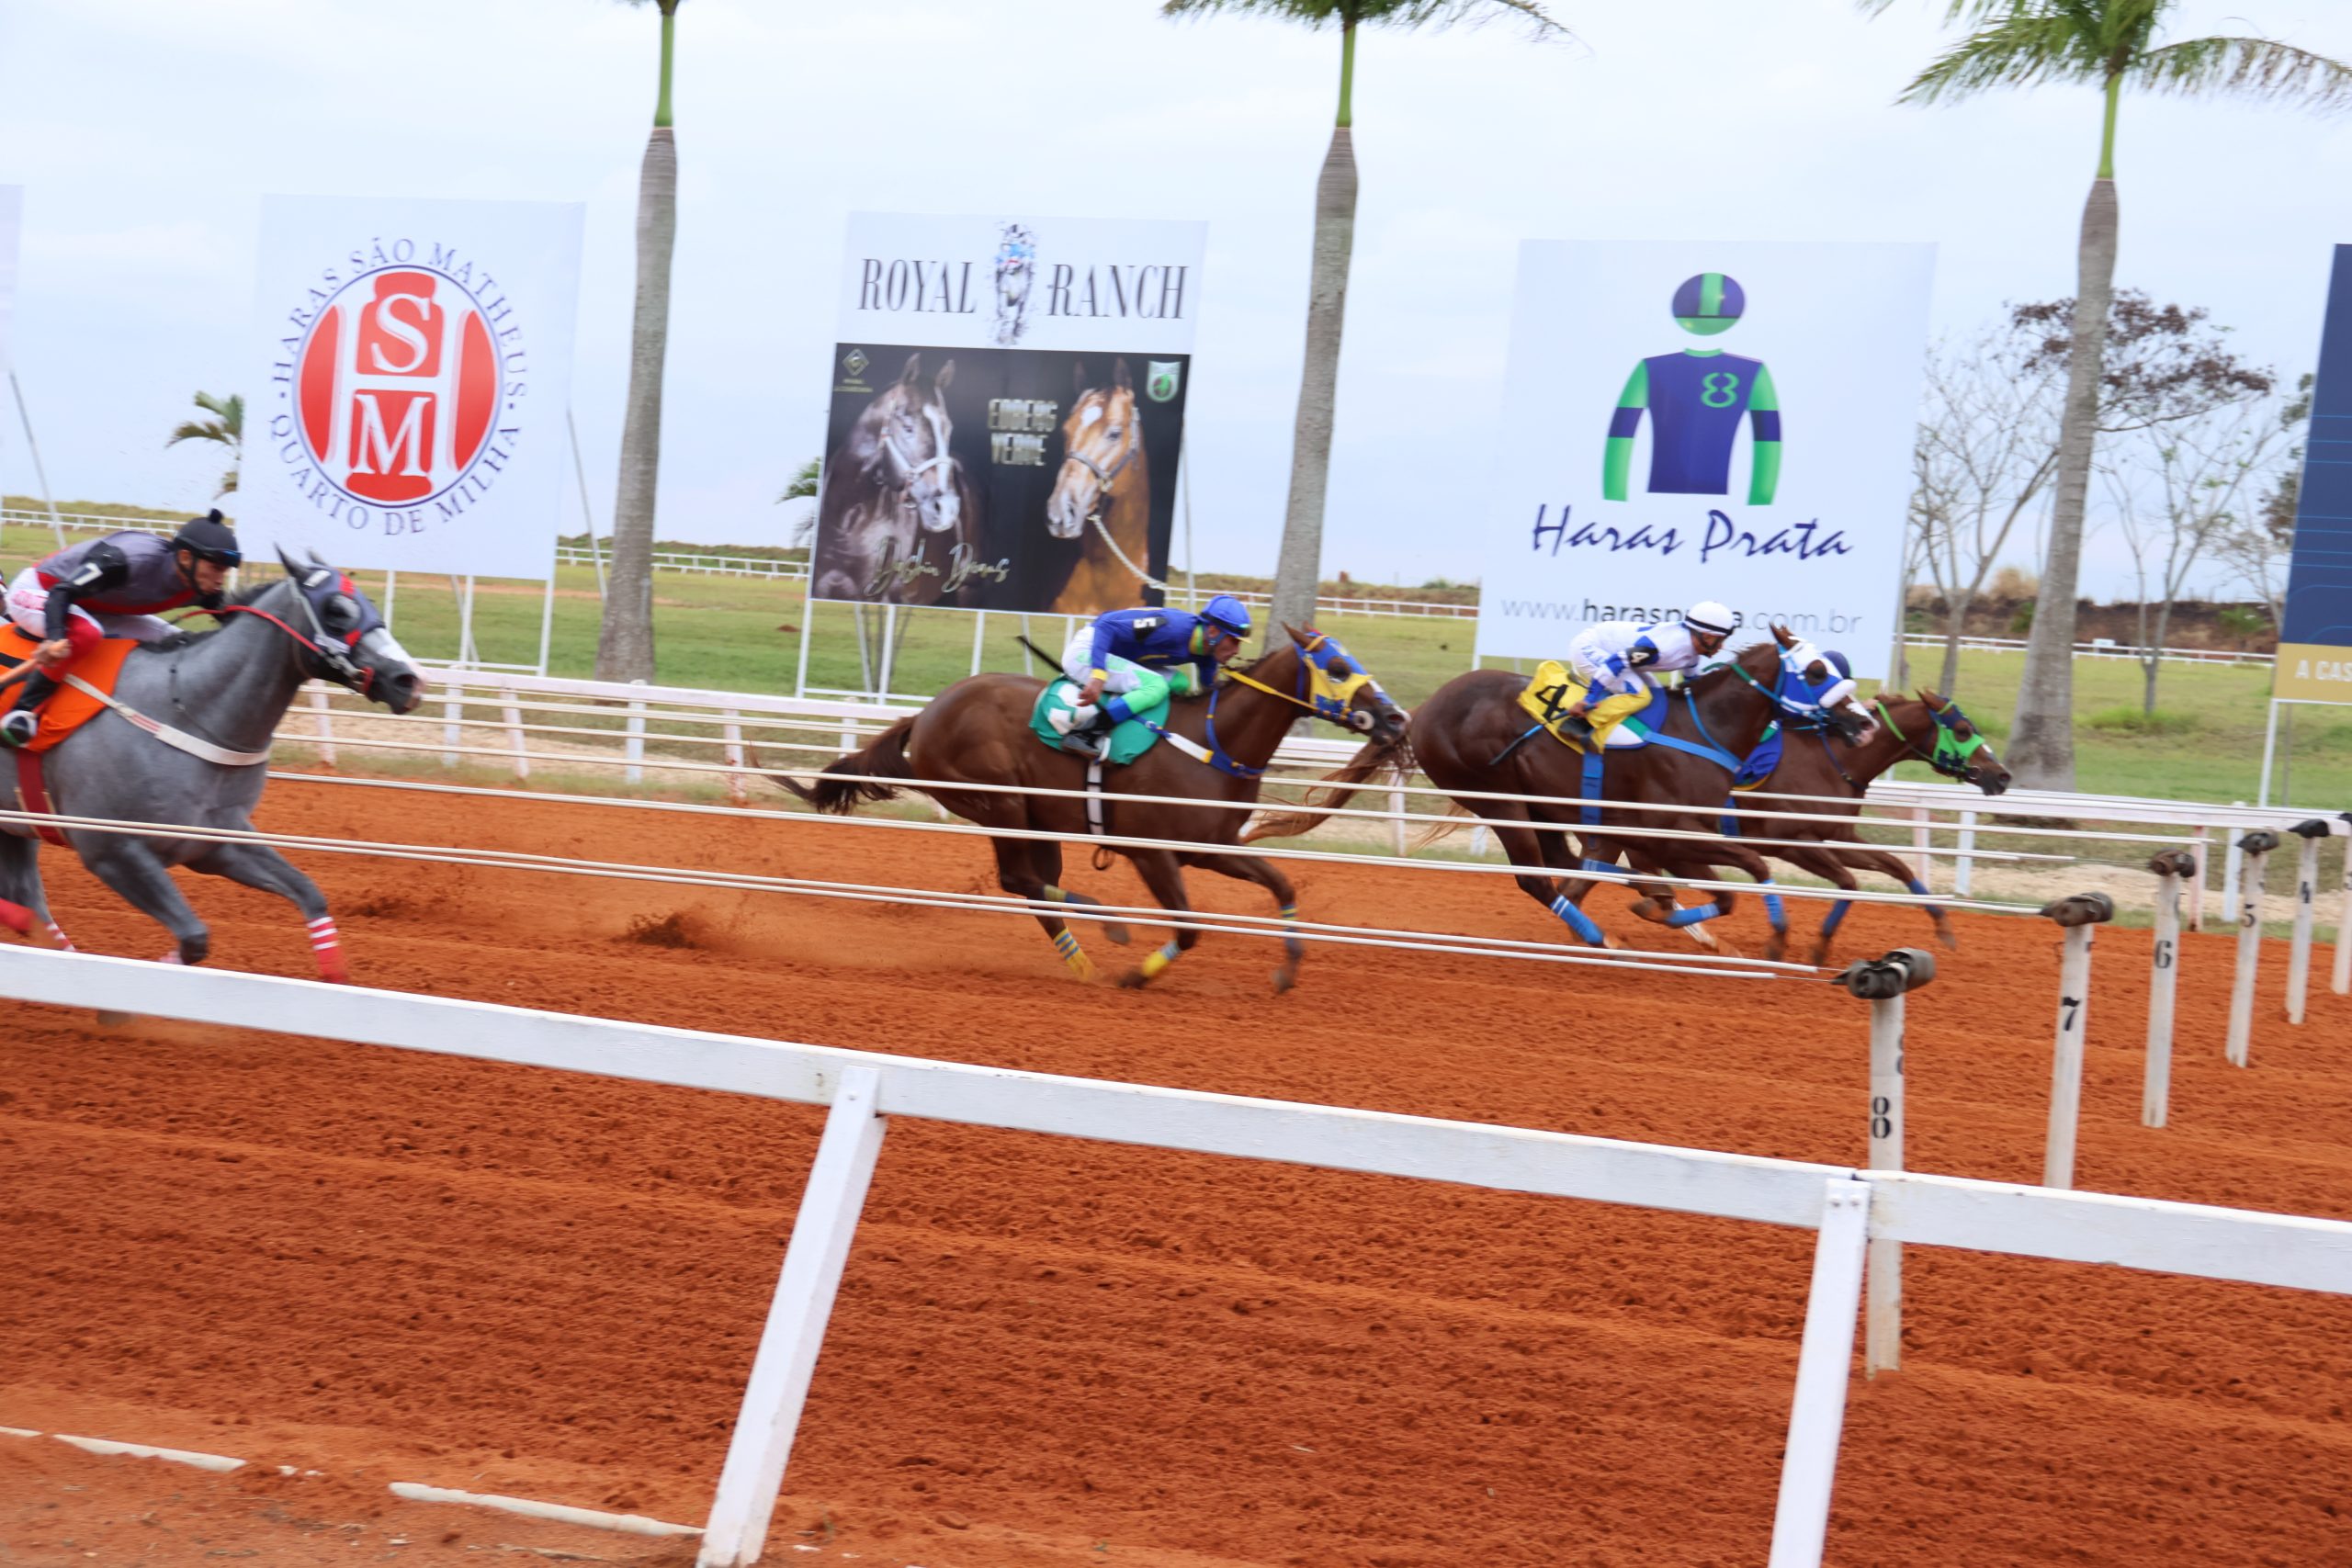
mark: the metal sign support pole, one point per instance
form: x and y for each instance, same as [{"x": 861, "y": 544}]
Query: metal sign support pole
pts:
[
  {"x": 587, "y": 516},
  {"x": 546, "y": 621},
  {"x": 24, "y": 417}
]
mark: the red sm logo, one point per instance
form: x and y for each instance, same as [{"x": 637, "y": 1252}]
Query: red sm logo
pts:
[{"x": 396, "y": 385}]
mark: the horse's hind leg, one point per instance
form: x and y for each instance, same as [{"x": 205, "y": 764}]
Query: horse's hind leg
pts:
[
  {"x": 1266, "y": 875},
  {"x": 23, "y": 906},
  {"x": 1016, "y": 873},
  {"x": 258, "y": 865},
  {"x": 1045, "y": 860},
  {"x": 1523, "y": 846},
  {"x": 1861, "y": 857},
  {"x": 1164, "y": 876},
  {"x": 136, "y": 872},
  {"x": 1822, "y": 862},
  {"x": 1657, "y": 903}
]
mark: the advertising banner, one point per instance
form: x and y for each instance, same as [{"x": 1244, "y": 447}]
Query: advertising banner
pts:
[
  {"x": 1007, "y": 408},
  {"x": 2315, "y": 628},
  {"x": 1688, "y": 420},
  {"x": 415, "y": 364},
  {"x": 12, "y": 211}
]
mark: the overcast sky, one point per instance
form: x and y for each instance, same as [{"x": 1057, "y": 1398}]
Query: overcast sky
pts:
[{"x": 146, "y": 131}]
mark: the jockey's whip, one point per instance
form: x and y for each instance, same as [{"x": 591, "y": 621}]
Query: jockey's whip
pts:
[{"x": 1044, "y": 657}]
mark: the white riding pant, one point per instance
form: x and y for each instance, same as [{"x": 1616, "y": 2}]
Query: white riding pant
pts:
[
  {"x": 1120, "y": 677},
  {"x": 29, "y": 609},
  {"x": 1588, "y": 659}
]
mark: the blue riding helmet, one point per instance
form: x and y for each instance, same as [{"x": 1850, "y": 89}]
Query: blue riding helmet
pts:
[{"x": 1228, "y": 614}]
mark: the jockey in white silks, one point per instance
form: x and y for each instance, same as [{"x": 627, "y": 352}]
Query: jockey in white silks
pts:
[{"x": 1614, "y": 659}]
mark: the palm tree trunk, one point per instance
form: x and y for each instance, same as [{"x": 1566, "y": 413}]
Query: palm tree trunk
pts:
[
  {"x": 625, "y": 643},
  {"x": 2041, "y": 745},
  {"x": 1300, "y": 566}
]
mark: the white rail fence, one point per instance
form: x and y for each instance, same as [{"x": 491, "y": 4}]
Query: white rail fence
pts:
[{"x": 1849, "y": 1208}]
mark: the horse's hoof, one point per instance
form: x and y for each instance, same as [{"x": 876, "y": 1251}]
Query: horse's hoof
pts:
[
  {"x": 1776, "y": 948},
  {"x": 112, "y": 1019},
  {"x": 1284, "y": 978},
  {"x": 1950, "y": 938},
  {"x": 1134, "y": 980},
  {"x": 1819, "y": 955},
  {"x": 1704, "y": 937},
  {"x": 1116, "y": 935},
  {"x": 1646, "y": 909}
]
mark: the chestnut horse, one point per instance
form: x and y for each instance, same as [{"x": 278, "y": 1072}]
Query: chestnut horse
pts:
[
  {"x": 895, "y": 504},
  {"x": 977, "y": 732},
  {"x": 1103, "y": 492},
  {"x": 1927, "y": 729},
  {"x": 1472, "y": 737}
]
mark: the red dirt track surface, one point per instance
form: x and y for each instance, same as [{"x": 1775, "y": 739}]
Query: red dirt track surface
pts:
[{"x": 387, "y": 1265}]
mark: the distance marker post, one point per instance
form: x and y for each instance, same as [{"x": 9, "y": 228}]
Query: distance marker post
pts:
[
  {"x": 2255, "y": 849},
  {"x": 2172, "y": 868},
  {"x": 1883, "y": 983},
  {"x": 2075, "y": 916}
]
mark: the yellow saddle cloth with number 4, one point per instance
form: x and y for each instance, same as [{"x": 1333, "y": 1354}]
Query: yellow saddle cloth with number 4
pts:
[{"x": 1553, "y": 691}]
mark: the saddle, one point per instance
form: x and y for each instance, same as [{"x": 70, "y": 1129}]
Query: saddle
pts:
[
  {"x": 1547, "y": 697},
  {"x": 69, "y": 709},
  {"x": 1128, "y": 741}
]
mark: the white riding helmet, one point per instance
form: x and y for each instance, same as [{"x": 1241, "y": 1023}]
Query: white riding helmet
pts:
[{"x": 1710, "y": 618}]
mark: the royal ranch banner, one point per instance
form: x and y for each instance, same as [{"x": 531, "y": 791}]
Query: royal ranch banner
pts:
[
  {"x": 12, "y": 210},
  {"x": 2315, "y": 628},
  {"x": 1689, "y": 421},
  {"x": 415, "y": 363},
  {"x": 1007, "y": 408}
]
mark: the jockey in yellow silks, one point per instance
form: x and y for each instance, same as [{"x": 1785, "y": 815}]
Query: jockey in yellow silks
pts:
[{"x": 1613, "y": 658}]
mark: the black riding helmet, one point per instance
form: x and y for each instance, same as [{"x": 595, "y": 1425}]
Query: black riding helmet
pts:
[{"x": 208, "y": 537}]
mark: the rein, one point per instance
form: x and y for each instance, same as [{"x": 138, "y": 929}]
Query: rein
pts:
[
  {"x": 335, "y": 660},
  {"x": 1951, "y": 768}
]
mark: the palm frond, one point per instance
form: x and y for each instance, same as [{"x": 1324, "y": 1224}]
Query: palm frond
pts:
[
  {"x": 1405, "y": 14},
  {"x": 228, "y": 483},
  {"x": 200, "y": 430},
  {"x": 803, "y": 484},
  {"x": 2026, "y": 49},
  {"x": 230, "y": 409},
  {"x": 1955, "y": 11},
  {"x": 2256, "y": 68}
]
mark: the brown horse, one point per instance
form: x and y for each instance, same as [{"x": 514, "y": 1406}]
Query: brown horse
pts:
[
  {"x": 1103, "y": 492},
  {"x": 1473, "y": 737},
  {"x": 1927, "y": 728},
  {"x": 895, "y": 504},
  {"x": 977, "y": 732}
]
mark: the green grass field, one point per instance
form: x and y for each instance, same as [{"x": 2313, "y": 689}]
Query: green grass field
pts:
[{"x": 744, "y": 634}]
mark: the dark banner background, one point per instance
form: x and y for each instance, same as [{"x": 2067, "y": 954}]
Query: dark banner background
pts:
[{"x": 1021, "y": 567}]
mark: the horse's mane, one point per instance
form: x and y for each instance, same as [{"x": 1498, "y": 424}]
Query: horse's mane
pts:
[
  {"x": 246, "y": 595},
  {"x": 1699, "y": 684}
]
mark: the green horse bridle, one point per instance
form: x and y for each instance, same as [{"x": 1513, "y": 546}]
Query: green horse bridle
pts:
[{"x": 1951, "y": 753}]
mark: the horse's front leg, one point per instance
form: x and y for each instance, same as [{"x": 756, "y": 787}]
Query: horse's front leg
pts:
[
  {"x": 1656, "y": 904},
  {"x": 1266, "y": 875},
  {"x": 1861, "y": 857},
  {"x": 1164, "y": 876},
  {"x": 134, "y": 870},
  {"x": 258, "y": 865}
]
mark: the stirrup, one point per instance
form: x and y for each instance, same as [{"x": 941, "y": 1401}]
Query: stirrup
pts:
[{"x": 19, "y": 726}]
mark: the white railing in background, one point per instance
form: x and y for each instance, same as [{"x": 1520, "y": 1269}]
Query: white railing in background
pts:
[
  {"x": 1849, "y": 1208},
  {"x": 2096, "y": 647}
]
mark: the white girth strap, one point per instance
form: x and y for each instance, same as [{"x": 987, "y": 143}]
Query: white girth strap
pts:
[
  {"x": 180, "y": 739},
  {"x": 1094, "y": 796}
]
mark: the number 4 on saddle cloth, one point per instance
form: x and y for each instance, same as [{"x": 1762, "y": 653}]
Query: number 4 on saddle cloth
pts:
[
  {"x": 1617, "y": 720},
  {"x": 70, "y": 708}
]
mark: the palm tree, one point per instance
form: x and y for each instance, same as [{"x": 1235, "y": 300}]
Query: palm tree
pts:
[
  {"x": 1300, "y": 563},
  {"x": 624, "y": 644},
  {"x": 227, "y": 426},
  {"x": 2110, "y": 44}
]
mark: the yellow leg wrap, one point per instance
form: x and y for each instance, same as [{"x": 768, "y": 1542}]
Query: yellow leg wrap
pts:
[
  {"x": 1079, "y": 964},
  {"x": 1158, "y": 959}
]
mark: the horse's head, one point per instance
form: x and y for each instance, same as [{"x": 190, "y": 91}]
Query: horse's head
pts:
[
  {"x": 1815, "y": 678},
  {"x": 1341, "y": 690},
  {"x": 1098, "y": 440},
  {"x": 344, "y": 637},
  {"x": 1960, "y": 750},
  {"x": 906, "y": 431}
]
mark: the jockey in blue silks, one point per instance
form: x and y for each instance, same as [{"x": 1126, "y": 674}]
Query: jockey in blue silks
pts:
[
  {"x": 1121, "y": 662},
  {"x": 1613, "y": 658}
]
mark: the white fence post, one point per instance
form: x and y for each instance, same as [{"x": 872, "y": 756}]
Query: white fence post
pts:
[
  {"x": 1397, "y": 827},
  {"x": 813, "y": 1261},
  {"x": 2233, "y": 863},
  {"x": 634, "y": 747},
  {"x": 510, "y": 710},
  {"x": 1921, "y": 861},
  {"x": 739, "y": 788},
  {"x": 453, "y": 713},
  {"x": 325, "y": 722},
  {"x": 2202, "y": 848},
  {"x": 1817, "y": 1413},
  {"x": 2077, "y": 915},
  {"x": 1963, "y": 871},
  {"x": 2156, "y": 1093},
  {"x": 2256, "y": 847},
  {"x": 2299, "y": 955},
  {"x": 1883, "y": 983}
]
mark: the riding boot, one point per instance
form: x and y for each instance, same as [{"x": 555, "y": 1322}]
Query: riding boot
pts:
[
  {"x": 1576, "y": 727},
  {"x": 21, "y": 723}
]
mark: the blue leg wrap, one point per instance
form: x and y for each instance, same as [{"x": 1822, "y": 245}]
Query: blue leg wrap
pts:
[
  {"x": 1578, "y": 921},
  {"x": 1837, "y": 917},
  {"x": 1917, "y": 886},
  {"x": 1774, "y": 910},
  {"x": 1694, "y": 914},
  {"x": 1592, "y": 865}
]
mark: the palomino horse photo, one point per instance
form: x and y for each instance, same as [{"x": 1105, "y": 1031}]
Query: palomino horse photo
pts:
[
  {"x": 209, "y": 704},
  {"x": 895, "y": 504},
  {"x": 1102, "y": 492},
  {"x": 977, "y": 732}
]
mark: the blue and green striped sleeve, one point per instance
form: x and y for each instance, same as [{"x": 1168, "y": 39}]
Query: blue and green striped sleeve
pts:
[{"x": 1617, "y": 466}]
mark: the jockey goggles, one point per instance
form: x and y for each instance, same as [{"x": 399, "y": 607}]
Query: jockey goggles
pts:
[{"x": 209, "y": 539}]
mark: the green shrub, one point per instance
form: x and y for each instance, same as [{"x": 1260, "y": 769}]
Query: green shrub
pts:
[{"x": 2132, "y": 721}]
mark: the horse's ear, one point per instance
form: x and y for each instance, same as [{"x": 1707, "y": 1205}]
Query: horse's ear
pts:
[
  {"x": 287, "y": 561},
  {"x": 946, "y": 374},
  {"x": 1928, "y": 695},
  {"x": 1784, "y": 636},
  {"x": 1120, "y": 378},
  {"x": 913, "y": 372}
]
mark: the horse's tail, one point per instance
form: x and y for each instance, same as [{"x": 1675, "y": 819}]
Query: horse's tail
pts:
[
  {"x": 841, "y": 784},
  {"x": 1377, "y": 757},
  {"x": 1432, "y": 831}
]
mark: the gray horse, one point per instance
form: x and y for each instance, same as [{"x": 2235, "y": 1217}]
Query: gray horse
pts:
[{"x": 226, "y": 690}]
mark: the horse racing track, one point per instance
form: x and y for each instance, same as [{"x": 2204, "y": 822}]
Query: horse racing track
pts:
[{"x": 389, "y": 1267}]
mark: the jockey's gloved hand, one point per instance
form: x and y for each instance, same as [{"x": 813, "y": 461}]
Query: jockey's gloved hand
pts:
[{"x": 211, "y": 601}]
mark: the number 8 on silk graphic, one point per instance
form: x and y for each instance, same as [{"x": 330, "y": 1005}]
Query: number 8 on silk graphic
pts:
[{"x": 1695, "y": 398}]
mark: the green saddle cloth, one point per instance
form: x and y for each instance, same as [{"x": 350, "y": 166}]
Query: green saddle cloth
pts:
[{"x": 1128, "y": 741}]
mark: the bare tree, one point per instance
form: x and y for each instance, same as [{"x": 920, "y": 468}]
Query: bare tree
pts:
[
  {"x": 2259, "y": 548},
  {"x": 2180, "y": 489}
]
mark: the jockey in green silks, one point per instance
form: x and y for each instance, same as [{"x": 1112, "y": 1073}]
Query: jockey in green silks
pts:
[{"x": 1121, "y": 662}]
